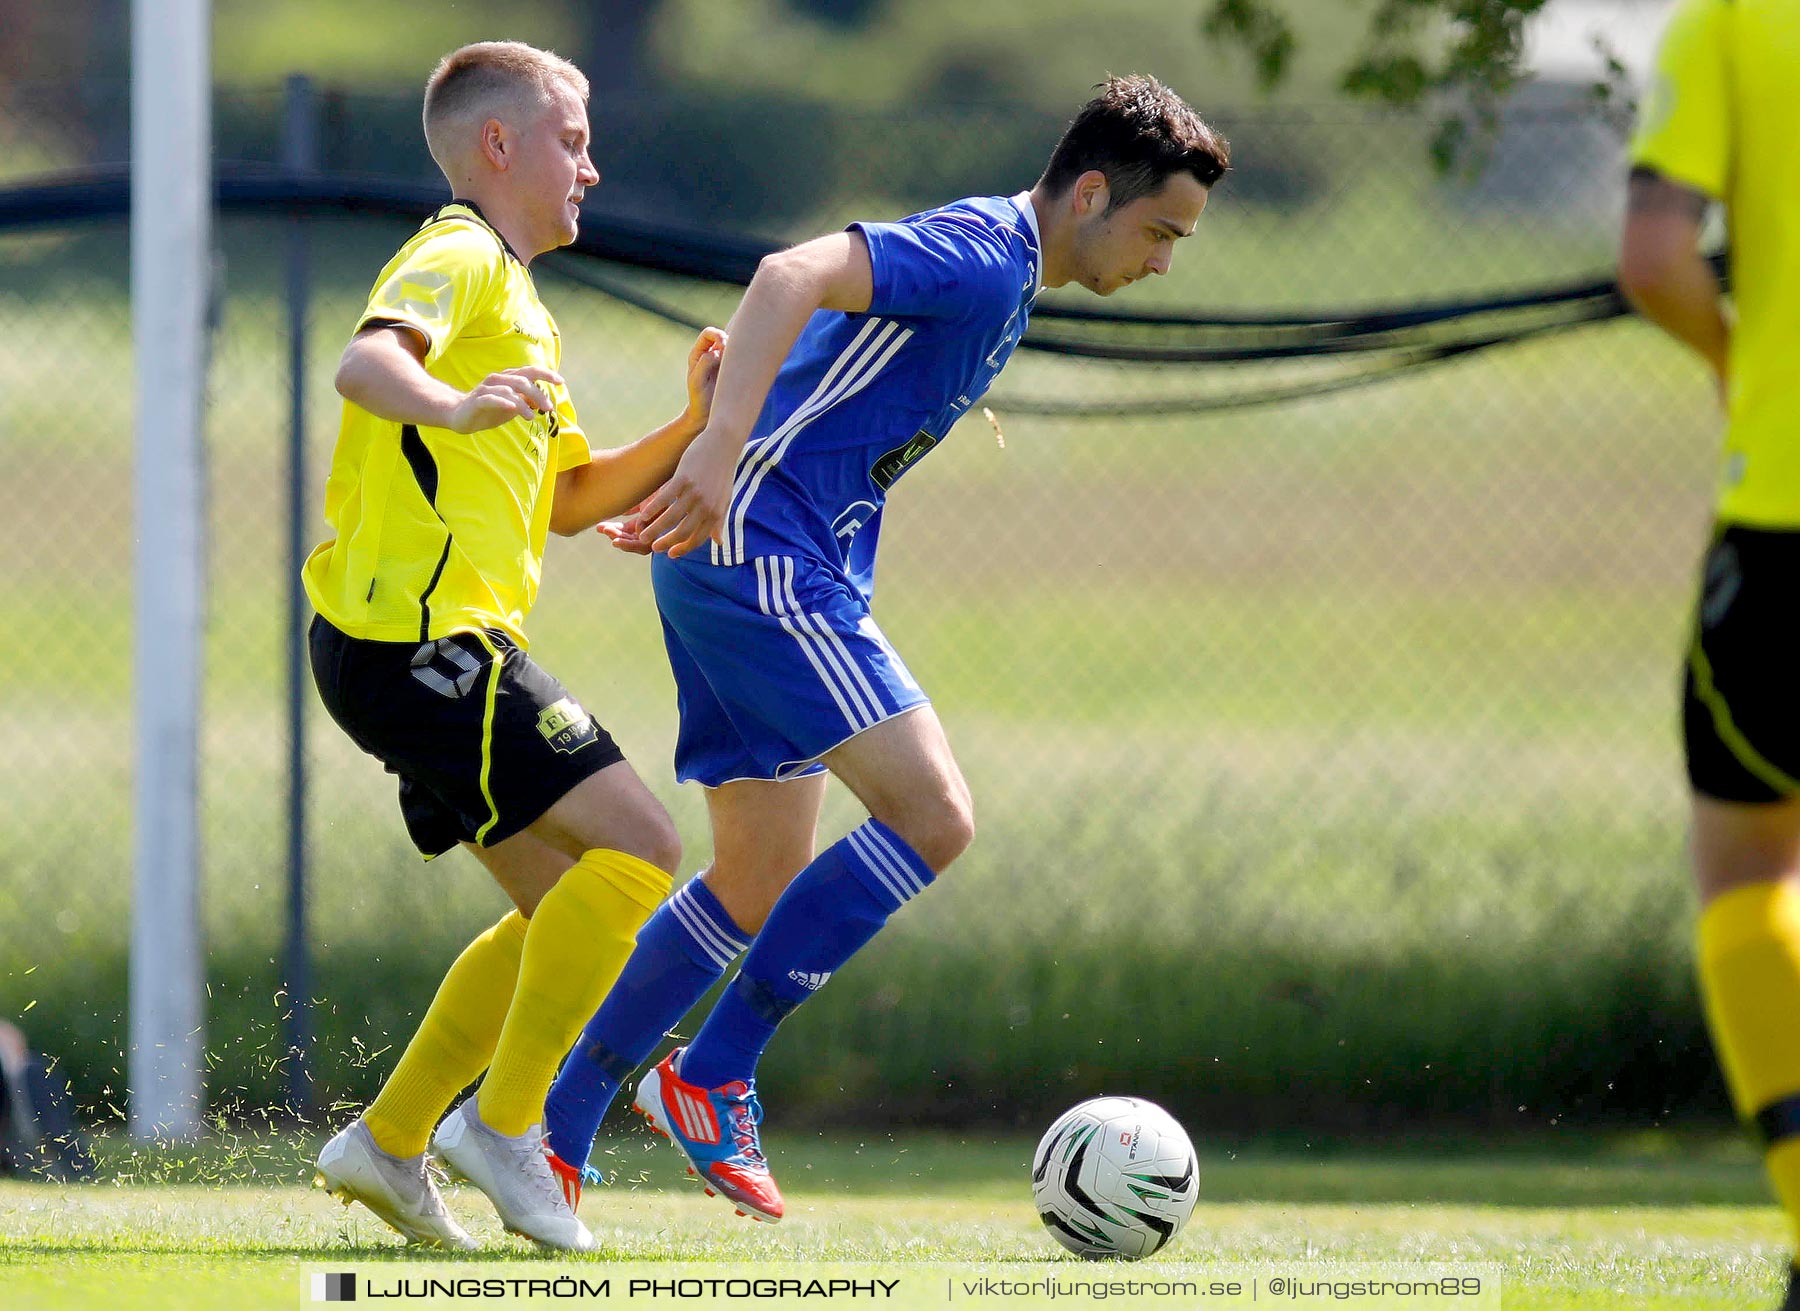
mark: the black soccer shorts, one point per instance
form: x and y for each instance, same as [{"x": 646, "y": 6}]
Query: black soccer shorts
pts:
[
  {"x": 483, "y": 739},
  {"x": 1741, "y": 701}
]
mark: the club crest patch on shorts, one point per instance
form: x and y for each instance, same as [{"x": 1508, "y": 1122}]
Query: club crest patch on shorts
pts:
[{"x": 566, "y": 726}]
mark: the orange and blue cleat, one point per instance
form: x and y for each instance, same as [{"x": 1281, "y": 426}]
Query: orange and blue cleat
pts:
[
  {"x": 571, "y": 1177},
  {"x": 716, "y": 1129}
]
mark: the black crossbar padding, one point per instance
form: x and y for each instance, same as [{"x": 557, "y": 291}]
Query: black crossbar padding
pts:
[
  {"x": 1779, "y": 1121},
  {"x": 104, "y": 193},
  {"x": 1272, "y": 394}
]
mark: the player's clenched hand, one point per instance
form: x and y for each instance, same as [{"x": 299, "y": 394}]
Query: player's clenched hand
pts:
[
  {"x": 703, "y": 374},
  {"x": 502, "y": 397},
  {"x": 690, "y": 508}
]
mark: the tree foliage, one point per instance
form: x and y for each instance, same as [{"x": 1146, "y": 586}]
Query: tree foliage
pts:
[{"x": 1464, "y": 56}]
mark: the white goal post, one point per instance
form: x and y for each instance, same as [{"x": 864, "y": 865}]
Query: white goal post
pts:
[{"x": 171, "y": 208}]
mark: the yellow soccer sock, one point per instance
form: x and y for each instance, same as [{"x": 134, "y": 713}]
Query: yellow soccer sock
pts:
[
  {"x": 1750, "y": 975},
  {"x": 1783, "y": 1165},
  {"x": 580, "y": 938},
  {"x": 454, "y": 1043}
]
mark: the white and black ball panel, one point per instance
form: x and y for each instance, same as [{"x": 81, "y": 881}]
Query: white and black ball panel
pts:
[{"x": 1115, "y": 1177}]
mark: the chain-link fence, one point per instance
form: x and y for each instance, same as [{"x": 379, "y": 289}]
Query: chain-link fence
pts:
[{"x": 1324, "y": 754}]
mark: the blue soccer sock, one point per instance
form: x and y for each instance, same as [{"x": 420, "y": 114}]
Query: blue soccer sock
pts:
[
  {"x": 834, "y": 906},
  {"x": 681, "y": 952}
]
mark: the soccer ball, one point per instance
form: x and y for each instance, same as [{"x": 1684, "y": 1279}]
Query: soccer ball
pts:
[{"x": 1114, "y": 1177}]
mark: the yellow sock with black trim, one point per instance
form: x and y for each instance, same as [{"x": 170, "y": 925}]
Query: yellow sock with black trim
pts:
[
  {"x": 582, "y": 934},
  {"x": 1750, "y": 977},
  {"x": 454, "y": 1043}
]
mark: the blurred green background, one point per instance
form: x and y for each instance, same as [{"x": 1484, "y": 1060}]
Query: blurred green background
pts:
[{"x": 1324, "y": 754}]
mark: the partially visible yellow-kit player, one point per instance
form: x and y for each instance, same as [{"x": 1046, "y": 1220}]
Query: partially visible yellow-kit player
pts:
[{"x": 1722, "y": 124}]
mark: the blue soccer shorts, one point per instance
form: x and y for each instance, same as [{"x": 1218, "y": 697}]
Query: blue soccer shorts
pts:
[{"x": 776, "y": 661}]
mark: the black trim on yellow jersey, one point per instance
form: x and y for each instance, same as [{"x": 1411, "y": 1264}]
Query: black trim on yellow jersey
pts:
[
  {"x": 481, "y": 218},
  {"x": 443, "y": 215},
  {"x": 425, "y": 472},
  {"x": 413, "y": 328},
  {"x": 418, "y": 459},
  {"x": 1779, "y": 1121}
]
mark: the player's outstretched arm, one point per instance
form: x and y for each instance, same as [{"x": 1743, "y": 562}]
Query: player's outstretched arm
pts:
[
  {"x": 614, "y": 481},
  {"x": 831, "y": 273},
  {"x": 1662, "y": 272},
  {"x": 383, "y": 371}
]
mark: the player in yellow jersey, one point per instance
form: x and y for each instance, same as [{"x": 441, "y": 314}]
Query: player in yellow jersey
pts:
[
  {"x": 1722, "y": 124},
  {"x": 458, "y": 452}
]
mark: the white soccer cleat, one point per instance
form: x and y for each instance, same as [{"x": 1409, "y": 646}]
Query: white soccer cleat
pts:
[
  {"x": 399, "y": 1189},
  {"x": 515, "y": 1174}
]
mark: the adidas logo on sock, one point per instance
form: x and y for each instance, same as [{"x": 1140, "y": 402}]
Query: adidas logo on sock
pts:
[{"x": 811, "y": 980}]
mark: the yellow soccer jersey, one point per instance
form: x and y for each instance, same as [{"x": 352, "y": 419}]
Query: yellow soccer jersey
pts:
[
  {"x": 437, "y": 532},
  {"x": 1723, "y": 117}
]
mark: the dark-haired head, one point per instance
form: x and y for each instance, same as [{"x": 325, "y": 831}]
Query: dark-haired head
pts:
[{"x": 1137, "y": 133}]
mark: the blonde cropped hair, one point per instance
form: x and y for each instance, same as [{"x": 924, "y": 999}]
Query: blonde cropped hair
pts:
[{"x": 483, "y": 81}]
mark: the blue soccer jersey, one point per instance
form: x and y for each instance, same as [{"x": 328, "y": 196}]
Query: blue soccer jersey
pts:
[{"x": 861, "y": 397}]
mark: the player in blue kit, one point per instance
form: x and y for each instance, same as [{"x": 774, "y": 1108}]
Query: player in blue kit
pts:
[{"x": 850, "y": 357}]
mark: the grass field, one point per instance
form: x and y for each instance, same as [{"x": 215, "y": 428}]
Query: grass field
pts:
[{"x": 1568, "y": 1226}]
